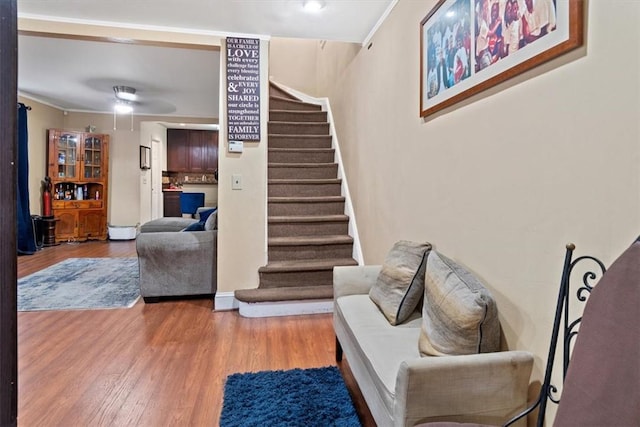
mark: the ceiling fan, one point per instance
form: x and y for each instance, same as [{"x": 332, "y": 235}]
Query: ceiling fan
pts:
[{"x": 125, "y": 99}]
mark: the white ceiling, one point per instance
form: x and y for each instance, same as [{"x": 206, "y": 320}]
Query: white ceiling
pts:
[{"x": 79, "y": 75}]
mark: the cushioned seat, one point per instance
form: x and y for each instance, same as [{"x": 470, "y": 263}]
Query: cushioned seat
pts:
[
  {"x": 602, "y": 383},
  {"x": 176, "y": 262},
  {"x": 401, "y": 386},
  {"x": 166, "y": 224}
]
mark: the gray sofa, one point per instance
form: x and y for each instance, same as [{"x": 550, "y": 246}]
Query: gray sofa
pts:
[
  {"x": 402, "y": 387},
  {"x": 174, "y": 262}
]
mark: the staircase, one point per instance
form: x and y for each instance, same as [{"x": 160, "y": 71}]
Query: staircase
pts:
[{"x": 307, "y": 228}]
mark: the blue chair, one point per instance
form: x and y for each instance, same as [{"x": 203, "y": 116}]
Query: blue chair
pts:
[{"x": 190, "y": 202}]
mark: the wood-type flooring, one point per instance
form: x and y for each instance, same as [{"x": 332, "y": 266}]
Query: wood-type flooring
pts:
[{"x": 158, "y": 364}]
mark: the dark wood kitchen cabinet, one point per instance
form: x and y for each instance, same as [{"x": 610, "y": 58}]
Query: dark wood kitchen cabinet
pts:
[
  {"x": 194, "y": 151},
  {"x": 172, "y": 203}
]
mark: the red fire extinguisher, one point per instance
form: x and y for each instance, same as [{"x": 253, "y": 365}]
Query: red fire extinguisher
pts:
[{"x": 46, "y": 197}]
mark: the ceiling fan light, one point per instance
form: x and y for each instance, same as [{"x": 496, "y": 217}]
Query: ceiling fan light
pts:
[
  {"x": 125, "y": 92},
  {"x": 123, "y": 107},
  {"x": 313, "y": 5}
]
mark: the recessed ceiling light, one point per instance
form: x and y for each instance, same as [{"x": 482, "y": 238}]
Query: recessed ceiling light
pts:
[{"x": 313, "y": 5}]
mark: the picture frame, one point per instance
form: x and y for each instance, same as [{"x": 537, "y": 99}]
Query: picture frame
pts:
[
  {"x": 468, "y": 46},
  {"x": 145, "y": 157}
]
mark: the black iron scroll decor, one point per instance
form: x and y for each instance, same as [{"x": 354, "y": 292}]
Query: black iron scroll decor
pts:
[{"x": 593, "y": 269}]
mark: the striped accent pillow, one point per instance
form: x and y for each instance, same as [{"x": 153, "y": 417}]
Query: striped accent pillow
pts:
[
  {"x": 400, "y": 284},
  {"x": 459, "y": 315}
]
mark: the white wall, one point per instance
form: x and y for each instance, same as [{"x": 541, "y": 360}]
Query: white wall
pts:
[
  {"x": 503, "y": 182},
  {"x": 150, "y": 131}
]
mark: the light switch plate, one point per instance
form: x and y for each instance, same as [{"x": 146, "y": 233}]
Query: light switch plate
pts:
[
  {"x": 236, "y": 181},
  {"x": 235, "y": 146}
]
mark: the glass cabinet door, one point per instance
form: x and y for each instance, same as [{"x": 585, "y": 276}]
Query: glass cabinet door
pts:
[
  {"x": 67, "y": 155},
  {"x": 93, "y": 156}
]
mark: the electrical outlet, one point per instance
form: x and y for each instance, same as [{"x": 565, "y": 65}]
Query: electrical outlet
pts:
[{"x": 236, "y": 181}]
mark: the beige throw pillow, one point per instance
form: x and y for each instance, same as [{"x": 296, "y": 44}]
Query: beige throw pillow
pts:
[
  {"x": 400, "y": 284},
  {"x": 459, "y": 315}
]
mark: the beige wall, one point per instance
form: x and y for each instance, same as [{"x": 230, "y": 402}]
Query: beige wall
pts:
[
  {"x": 242, "y": 236},
  {"x": 305, "y": 57},
  {"x": 39, "y": 119},
  {"x": 242, "y": 218},
  {"x": 127, "y": 203},
  {"x": 502, "y": 183}
]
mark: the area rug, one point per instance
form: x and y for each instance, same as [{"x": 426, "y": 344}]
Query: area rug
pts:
[
  {"x": 81, "y": 284},
  {"x": 297, "y": 397}
]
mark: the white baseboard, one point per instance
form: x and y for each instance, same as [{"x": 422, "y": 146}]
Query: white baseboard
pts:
[
  {"x": 285, "y": 308},
  {"x": 225, "y": 301}
]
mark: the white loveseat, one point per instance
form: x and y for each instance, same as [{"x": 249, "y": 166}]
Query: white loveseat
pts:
[{"x": 403, "y": 388}]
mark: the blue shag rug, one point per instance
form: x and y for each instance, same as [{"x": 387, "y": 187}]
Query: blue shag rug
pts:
[
  {"x": 293, "y": 398},
  {"x": 81, "y": 284}
]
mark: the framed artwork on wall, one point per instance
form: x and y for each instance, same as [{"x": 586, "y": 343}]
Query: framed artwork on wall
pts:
[
  {"x": 468, "y": 46},
  {"x": 145, "y": 157}
]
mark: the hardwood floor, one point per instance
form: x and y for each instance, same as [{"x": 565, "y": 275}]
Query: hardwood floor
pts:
[{"x": 158, "y": 364}]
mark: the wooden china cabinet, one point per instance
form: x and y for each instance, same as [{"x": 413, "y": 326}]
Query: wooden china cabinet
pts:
[{"x": 78, "y": 165}]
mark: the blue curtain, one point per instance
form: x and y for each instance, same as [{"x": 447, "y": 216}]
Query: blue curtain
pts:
[{"x": 26, "y": 238}]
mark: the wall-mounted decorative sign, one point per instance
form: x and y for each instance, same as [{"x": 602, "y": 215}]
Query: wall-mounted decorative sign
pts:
[
  {"x": 243, "y": 89},
  {"x": 467, "y": 46},
  {"x": 145, "y": 157}
]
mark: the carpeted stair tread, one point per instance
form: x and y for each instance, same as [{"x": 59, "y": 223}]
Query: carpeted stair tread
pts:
[
  {"x": 284, "y": 294},
  {"x": 308, "y": 218},
  {"x": 300, "y": 116},
  {"x": 298, "y": 136},
  {"x": 310, "y": 199},
  {"x": 297, "y": 128},
  {"x": 301, "y": 149},
  {"x": 306, "y": 265},
  {"x": 307, "y": 227},
  {"x": 335, "y": 239},
  {"x": 301, "y": 155},
  {"x": 274, "y": 90},
  {"x": 305, "y": 181},
  {"x": 292, "y": 104},
  {"x": 300, "y": 165}
]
